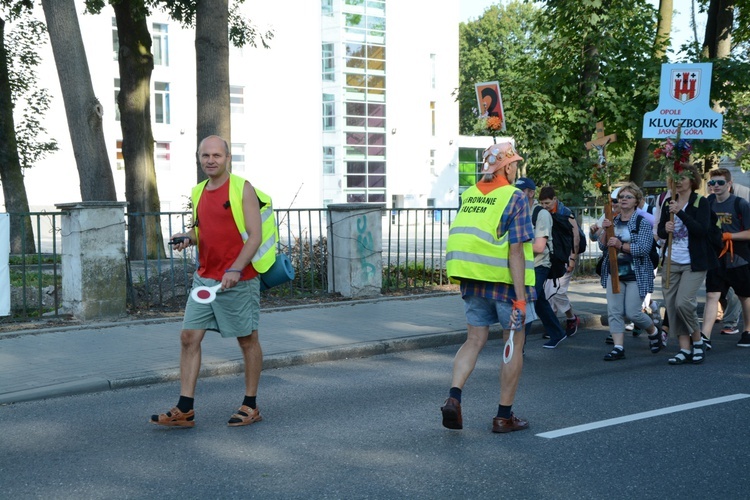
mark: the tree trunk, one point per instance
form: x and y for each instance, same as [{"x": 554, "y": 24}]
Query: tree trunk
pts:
[
  {"x": 136, "y": 64},
  {"x": 212, "y": 71},
  {"x": 717, "y": 44},
  {"x": 641, "y": 155},
  {"x": 83, "y": 110},
  {"x": 11, "y": 175}
]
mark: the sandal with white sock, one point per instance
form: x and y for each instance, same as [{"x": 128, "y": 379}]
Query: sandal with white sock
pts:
[
  {"x": 680, "y": 358},
  {"x": 698, "y": 354}
]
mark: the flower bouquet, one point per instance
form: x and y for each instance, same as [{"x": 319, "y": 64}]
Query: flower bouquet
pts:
[{"x": 675, "y": 154}]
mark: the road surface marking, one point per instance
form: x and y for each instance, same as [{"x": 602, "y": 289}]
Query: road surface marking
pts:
[{"x": 639, "y": 416}]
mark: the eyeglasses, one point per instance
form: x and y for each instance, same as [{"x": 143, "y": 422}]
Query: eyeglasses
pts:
[
  {"x": 717, "y": 182},
  {"x": 614, "y": 201},
  {"x": 626, "y": 197}
]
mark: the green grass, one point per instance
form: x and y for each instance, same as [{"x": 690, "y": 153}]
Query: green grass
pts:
[
  {"x": 33, "y": 259},
  {"x": 32, "y": 279}
]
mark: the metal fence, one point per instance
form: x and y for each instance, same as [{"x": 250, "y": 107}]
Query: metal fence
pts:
[
  {"x": 35, "y": 274},
  {"x": 413, "y": 244}
]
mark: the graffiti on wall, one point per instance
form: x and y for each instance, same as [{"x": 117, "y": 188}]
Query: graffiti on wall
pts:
[{"x": 365, "y": 249}]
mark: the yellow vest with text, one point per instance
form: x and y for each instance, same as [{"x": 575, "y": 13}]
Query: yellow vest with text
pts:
[
  {"x": 266, "y": 254},
  {"x": 474, "y": 251}
]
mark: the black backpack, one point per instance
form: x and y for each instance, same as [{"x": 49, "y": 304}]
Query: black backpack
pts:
[
  {"x": 653, "y": 254},
  {"x": 714, "y": 239},
  {"x": 562, "y": 243}
]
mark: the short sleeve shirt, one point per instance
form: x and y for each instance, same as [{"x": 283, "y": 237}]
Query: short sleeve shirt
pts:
[{"x": 543, "y": 229}]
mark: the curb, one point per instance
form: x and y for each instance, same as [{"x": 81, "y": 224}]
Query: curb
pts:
[{"x": 282, "y": 360}]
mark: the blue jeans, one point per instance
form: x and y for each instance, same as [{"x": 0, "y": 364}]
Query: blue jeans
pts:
[{"x": 543, "y": 308}]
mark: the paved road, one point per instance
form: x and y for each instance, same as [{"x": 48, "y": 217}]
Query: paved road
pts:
[{"x": 370, "y": 428}]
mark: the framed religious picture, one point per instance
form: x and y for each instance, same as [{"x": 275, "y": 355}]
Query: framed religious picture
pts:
[{"x": 490, "y": 101}]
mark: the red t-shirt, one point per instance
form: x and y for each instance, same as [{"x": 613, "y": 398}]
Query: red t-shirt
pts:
[{"x": 219, "y": 242}]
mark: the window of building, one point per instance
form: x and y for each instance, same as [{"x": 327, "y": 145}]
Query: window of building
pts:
[
  {"x": 432, "y": 117},
  {"x": 433, "y": 70},
  {"x": 160, "y": 44},
  {"x": 162, "y": 157},
  {"x": 119, "y": 159},
  {"x": 329, "y": 64},
  {"x": 329, "y": 160},
  {"x": 238, "y": 157},
  {"x": 326, "y": 7},
  {"x": 329, "y": 112},
  {"x": 469, "y": 167},
  {"x": 161, "y": 102},
  {"x": 430, "y": 206},
  {"x": 364, "y": 159},
  {"x": 237, "y": 99},
  {"x": 115, "y": 40},
  {"x": 117, "y": 95}
]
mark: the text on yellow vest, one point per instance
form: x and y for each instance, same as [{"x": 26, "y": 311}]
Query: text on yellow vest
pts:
[{"x": 474, "y": 250}]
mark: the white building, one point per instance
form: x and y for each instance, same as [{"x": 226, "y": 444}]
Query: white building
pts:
[{"x": 353, "y": 102}]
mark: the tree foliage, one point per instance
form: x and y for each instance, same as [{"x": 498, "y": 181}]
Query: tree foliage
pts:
[
  {"x": 562, "y": 67},
  {"x": 23, "y": 46}
]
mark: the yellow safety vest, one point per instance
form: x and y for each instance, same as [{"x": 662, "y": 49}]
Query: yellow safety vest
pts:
[
  {"x": 266, "y": 254},
  {"x": 474, "y": 250}
]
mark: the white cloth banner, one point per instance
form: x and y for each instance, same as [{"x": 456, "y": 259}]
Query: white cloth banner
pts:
[{"x": 4, "y": 264}]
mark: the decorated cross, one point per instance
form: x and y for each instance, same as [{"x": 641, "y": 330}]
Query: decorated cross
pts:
[{"x": 600, "y": 143}]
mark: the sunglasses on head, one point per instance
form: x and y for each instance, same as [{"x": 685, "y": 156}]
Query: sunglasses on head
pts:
[{"x": 717, "y": 182}]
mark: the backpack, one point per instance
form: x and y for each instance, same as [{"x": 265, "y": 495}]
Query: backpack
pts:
[
  {"x": 581, "y": 241},
  {"x": 714, "y": 239},
  {"x": 562, "y": 243},
  {"x": 653, "y": 254}
]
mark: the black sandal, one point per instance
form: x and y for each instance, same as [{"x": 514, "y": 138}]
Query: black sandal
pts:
[
  {"x": 680, "y": 358},
  {"x": 614, "y": 355},
  {"x": 698, "y": 354},
  {"x": 654, "y": 341}
]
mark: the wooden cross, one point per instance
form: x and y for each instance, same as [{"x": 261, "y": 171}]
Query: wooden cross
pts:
[{"x": 600, "y": 143}]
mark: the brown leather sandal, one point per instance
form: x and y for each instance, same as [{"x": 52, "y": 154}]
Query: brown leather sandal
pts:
[
  {"x": 244, "y": 416},
  {"x": 174, "y": 418}
]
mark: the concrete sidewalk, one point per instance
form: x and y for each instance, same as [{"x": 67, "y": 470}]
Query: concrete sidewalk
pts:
[{"x": 41, "y": 364}]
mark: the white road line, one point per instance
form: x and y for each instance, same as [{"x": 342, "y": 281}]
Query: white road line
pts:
[{"x": 639, "y": 416}]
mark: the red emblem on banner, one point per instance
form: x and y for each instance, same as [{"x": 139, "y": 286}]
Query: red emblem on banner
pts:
[{"x": 686, "y": 85}]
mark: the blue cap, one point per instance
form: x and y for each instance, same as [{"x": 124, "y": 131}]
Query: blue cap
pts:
[{"x": 525, "y": 183}]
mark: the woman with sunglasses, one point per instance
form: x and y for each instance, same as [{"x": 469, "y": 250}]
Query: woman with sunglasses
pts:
[
  {"x": 687, "y": 217},
  {"x": 632, "y": 240}
]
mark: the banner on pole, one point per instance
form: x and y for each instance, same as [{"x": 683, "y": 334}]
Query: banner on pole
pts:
[
  {"x": 4, "y": 264},
  {"x": 684, "y": 100},
  {"x": 490, "y": 101}
]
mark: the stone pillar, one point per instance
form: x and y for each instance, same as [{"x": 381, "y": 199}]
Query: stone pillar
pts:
[
  {"x": 94, "y": 280},
  {"x": 355, "y": 249}
]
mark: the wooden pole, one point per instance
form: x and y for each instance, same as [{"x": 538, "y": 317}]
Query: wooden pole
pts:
[
  {"x": 614, "y": 270},
  {"x": 669, "y": 245},
  {"x": 600, "y": 143}
]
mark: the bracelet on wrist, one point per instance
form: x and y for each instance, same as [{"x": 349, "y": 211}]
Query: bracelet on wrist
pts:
[{"x": 233, "y": 271}]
